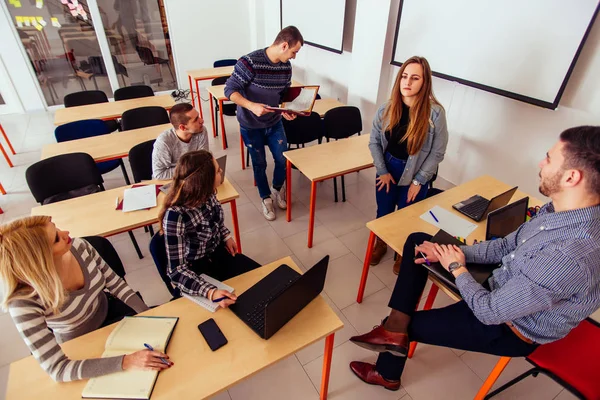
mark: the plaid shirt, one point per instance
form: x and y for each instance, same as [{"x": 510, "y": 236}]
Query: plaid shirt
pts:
[
  {"x": 549, "y": 275},
  {"x": 191, "y": 234}
]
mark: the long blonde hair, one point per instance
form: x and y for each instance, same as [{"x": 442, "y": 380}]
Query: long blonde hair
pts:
[
  {"x": 420, "y": 111},
  {"x": 27, "y": 267}
]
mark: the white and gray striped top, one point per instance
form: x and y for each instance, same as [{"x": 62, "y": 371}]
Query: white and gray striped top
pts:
[{"x": 84, "y": 311}]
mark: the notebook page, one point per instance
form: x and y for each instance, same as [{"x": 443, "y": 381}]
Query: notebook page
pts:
[
  {"x": 139, "y": 198},
  {"x": 132, "y": 332},
  {"x": 451, "y": 223},
  {"x": 203, "y": 301},
  {"x": 303, "y": 101}
]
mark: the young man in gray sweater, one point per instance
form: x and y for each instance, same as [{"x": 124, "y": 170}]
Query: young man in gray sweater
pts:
[
  {"x": 260, "y": 79},
  {"x": 188, "y": 134}
]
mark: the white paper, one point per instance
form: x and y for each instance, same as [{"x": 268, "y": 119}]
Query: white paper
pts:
[
  {"x": 203, "y": 301},
  {"x": 303, "y": 101},
  {"x": 451, "y": 223},
  {"x": 139, "y": 198}
]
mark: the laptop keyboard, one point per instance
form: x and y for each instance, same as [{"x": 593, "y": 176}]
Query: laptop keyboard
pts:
[
  {"x": 256, "y": 316},
  {"x": 476, "y": 208}
]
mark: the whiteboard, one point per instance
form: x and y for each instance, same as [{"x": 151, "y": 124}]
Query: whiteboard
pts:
[
  {"x": 321, "y": 22},
  {"x": 525, "y": 50}
]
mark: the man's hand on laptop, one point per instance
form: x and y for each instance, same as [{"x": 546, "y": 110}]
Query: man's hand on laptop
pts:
[
  {"x": 426, "y": 249},
  {"x": 447, "y": 254}
]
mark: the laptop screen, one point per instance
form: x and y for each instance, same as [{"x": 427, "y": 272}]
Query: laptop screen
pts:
[{"x": 507, "y": 219}]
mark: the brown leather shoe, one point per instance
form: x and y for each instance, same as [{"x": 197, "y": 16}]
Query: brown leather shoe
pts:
[
  {"x": 366, "y": 372},
  {"x": 379, "y": 250},
  {"x": 382, "y": 340},
  {"x": 396, "y": 268}
]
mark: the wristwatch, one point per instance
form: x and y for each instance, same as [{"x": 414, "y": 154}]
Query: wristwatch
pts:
[
  {"x": 454, "y": 266},
  {"x": 416, "y": 182}
]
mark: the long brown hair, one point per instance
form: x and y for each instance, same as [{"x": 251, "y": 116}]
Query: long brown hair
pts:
[
  {"x": 27, "y": 266},
  {"x": 193, "y": 182},
  {"x": 420, "y": 111}
]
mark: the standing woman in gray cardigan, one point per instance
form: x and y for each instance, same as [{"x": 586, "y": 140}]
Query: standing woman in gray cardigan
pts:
[
  {"x": 57, "y": 288},
  {"x": 408, "y": 141}
]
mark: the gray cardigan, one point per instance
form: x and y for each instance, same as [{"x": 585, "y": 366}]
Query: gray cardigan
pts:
[{"x": 422, "y": 165}]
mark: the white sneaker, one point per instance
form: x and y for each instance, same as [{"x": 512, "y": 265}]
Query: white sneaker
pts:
[
  {"x": 268, "y": 210},
  {"x": 279, "y": 197}
]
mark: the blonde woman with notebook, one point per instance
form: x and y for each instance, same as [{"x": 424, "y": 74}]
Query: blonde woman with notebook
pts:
[
  {"x": 197, "y": 240},
  {"x": 56, "y": 289}
]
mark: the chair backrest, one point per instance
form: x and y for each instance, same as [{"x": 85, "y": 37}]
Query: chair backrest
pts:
[
  {"x": 85, "y": 97},
  {"x": 219, "y": 81},
  {"x": 133, "y": 92},
  {"x": 342, "y": 122},
  {"x": 143, "y": 117},
  {"x": 303, "y": 129},
  {"x": 224, "y": 63},
  {"x": 108, "y": 253},
  {"x": 60, "y": 174},
  {"x": 140, "y": 159},
  {"x": 80, "y": 129},
  {"x": 159, "y": 255},
  {"x": 145, "y": 55}
]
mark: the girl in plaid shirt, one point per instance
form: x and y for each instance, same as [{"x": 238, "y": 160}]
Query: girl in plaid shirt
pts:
[{"x": 196, "y": 238}]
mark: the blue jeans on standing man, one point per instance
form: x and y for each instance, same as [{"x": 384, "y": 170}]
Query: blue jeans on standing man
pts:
[
  {"x": 255, "y": 140},
  {"x": 397, "y": 195}
]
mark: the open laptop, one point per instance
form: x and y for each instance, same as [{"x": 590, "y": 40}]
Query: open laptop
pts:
[
  {"x": 477, "y": 207},
  {"x": 278, "y": 297},
  {"x": 481, "y": 272},
  {"x": 507, "y": 219}
]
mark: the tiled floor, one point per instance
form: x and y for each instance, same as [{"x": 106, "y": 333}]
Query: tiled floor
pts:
[{"x": 434, "y": 372}]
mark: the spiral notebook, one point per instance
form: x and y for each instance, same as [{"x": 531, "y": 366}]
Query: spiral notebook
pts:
[
  {"x": 128, "y": 337},
  {"x": 203, "y": 301}
]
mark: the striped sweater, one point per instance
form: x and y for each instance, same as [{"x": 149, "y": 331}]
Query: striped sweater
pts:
[
  {"x": 259, "y": 80},
  {"x": 84, "y": 311}
]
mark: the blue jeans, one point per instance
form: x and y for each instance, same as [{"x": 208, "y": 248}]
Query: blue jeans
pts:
[
  {"x": 255, "y": 140},
  {"x": 397, "y": 195}
]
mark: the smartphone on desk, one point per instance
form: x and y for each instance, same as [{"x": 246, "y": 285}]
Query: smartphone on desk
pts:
[{"x": 212, "y": 334}]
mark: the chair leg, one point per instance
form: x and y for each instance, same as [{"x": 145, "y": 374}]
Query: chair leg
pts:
[
  {"x": 135, "y": 245},
  {"x": 127, "y": 182},
  {"x": 248, "y": 158},
  {"x": 335, "y": 195},
  {"x": 343, "y": 189},
  {"x": 216, "y": 122},
  {"x": 492, "y": 377}
]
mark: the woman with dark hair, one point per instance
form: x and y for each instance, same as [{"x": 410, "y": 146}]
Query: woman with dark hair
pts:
[
  {"x": 408, "y": 142},
  {"x": 197, "y": 240}
]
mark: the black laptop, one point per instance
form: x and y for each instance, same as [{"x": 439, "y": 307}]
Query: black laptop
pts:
[
  {"x": 506, "y": 220},
  {"x": 278, "y": 297},
  {"x": 481, "y": 272},
  {"x": 477, "y": 207}
]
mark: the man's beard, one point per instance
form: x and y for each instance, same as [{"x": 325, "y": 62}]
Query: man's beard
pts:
[{"x": 550, "y": 185}]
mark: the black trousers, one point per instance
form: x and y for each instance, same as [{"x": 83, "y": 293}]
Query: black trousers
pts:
[
  {"x": 454, "y": 326},
  {"x": 221, "y": 265},
  {"x": 116, "y": 310}
]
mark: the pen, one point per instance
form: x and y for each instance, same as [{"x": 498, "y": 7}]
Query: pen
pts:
[
  {"x": 436, "y": 220},
  {"x": 424, "y": 258},
  {"x": 220, "y": 299},
  {"x": 146, "y": 345}
]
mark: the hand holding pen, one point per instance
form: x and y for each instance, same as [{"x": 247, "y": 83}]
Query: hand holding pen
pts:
[{"x": 426, "y": 252}]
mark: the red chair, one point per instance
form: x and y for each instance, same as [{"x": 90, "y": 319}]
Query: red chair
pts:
[{"x": 573, "y": 362}]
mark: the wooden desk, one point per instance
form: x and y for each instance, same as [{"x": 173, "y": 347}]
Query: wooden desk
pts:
[
  {"x": 395, "y": 228},
  {"x": 323, "y": 105},
  {"x": 110, "y": 110},
  {"x": 325, "y": 161},
  {"x": 95, "y": 214},
  {"x": 205, "y": 74},
  {"x": 105, "y": 147},
  {"x": 198, "y": 372}
]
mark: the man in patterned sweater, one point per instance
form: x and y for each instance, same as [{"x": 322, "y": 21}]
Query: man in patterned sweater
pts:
[{"x": 260, "y": 79}]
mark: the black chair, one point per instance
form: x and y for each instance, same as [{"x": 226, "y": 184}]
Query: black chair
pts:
[
  {"x": 90, "y": 97},
  {"x": 133, "y": 92},
  {"x": 159, "y": 255},
  {"x": 88, "y": 128},
  {"x": 303, "y": 130},
  {"x": 341, "y": 123},
  {"x": 65, "y": 177},
  {"x": 148, "y": 58},
  {"x": 140, "y": 160},
  {"x": 224, "y": 63},
  {"x": 144, "y": 116},
  {"x": 108, "y": 253}
]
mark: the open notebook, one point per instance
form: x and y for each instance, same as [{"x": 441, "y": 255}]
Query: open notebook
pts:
[
  {"x": 128, "y": 337},
  {"x": 298, "y": 100},
  {"x": 203, "y": 301}
]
